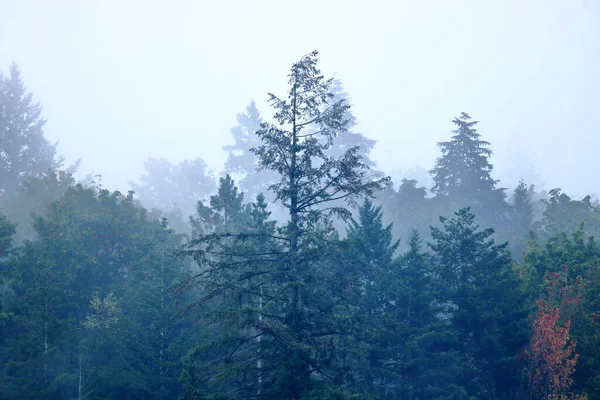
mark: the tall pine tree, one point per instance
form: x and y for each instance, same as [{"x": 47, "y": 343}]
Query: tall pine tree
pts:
[{"x": 284, "y": 296}]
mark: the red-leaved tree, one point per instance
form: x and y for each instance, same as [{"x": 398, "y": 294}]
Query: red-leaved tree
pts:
[{"x": 550, "y": 357}]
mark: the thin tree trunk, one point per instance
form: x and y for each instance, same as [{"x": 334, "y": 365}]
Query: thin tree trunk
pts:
[
  {"x": 259, "y": 360},
  {"x": 294, "y": 211},
  {"x": 80, "y": 384},
  {"x": 46, "y": 342}
]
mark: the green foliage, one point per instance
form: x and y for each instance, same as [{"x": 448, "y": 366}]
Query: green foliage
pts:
[
  {"x": 486, "y": 306},
  {"x": 90, "y": 298},
  {"x": 523, "y": 207},
  {"x": 280, "y": 315},
  {"x": 565, "y": 215},
  {"x": 32, "y": 198},
  {"x": 372, "y": 243},
  {"x": 225, "y": 211},
  {"x": 564, "y": 271},
  {"x": 7, "y": 230},
  {"x": 463, "y": 167},
  {"x": 98, "y": 300}
]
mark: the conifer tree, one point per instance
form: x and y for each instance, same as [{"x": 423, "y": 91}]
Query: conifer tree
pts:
[
  {"x": 463, "y": 167},
  {"x": 299, "y": 320},
  {"x": 225, "y": 211},
  {"x": 7, "y": 230},
  {"x": 241, "y": 160},
  {"x": 421, "y": 342},
  {"x": 91, "y": 304},
  {"x": 25, "y": 152},
  {"x": 348, "y": 138},
  {"x": 479, "y": 282},
  {"x": 522, "y": 207},
  {"x": 372, "y": 242}
]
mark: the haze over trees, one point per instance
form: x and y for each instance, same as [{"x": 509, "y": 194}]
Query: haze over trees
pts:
[{"x": 301, "y": 273}]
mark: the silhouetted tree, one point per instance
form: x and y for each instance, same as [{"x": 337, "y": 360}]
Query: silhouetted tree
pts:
[{"x": 24, "y": 151}]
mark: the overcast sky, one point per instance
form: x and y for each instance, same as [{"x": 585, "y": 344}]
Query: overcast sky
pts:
[{"x": 124, "y": 80}]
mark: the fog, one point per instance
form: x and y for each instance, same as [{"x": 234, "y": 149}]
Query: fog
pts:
[
  {"x": 124, "y": 81},
  {"x": 436, "y": 240}
]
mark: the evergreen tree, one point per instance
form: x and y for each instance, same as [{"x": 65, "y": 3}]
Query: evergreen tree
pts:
[
  {"x": 33, "y": 197},
  {"x": 241, "y": 160},
  {"x": 463, "y": 174},
  {"x": 565, "y": 215},
  {"x": 408, "y": 208},
  {"x": 25, "y": 153},
  {"x": 7, "y": 230},
  {"x": 489, "y": 309},
  {"x": 366, "y": 264},
  {"x": 224, "y": 213},
  {"x": 348, "y": 139},
  {"x": 422, "y": 343},
  {"x": 522, "y": 207},
  {"x": 464, "y": 167},
  {"x": 372, "y": 243},
  {"x": 90, "y": 305},
  {"x": 284, "y": 345},
  {"x": 564, "y": 273}
]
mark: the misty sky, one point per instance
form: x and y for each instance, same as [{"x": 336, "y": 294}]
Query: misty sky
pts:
[{"x": 124, "y": 80}]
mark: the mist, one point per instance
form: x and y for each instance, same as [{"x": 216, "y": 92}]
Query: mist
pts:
[
  {"x": 334, "y": 200},
  {"x": 128, "y": 81}
]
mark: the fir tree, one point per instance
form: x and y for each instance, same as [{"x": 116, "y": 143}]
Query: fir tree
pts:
[
  {"x": 348, "y": 139},
  {"x": 224, "y": 213},
  {"x": 463, "y": 167},
  {"x": 241, "y": 160},
  {"x": 489, "y": 315},
  {"x": 423, "y": 345},
  {"x": 299, "y": 321},
  {"x": 25, "y": 153},
  {"x": 522, "y": 207},
  {"x": 371, "y": 241}
]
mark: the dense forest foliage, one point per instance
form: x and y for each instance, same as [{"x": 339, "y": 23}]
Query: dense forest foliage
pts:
[{"x": 301, "y": 273}]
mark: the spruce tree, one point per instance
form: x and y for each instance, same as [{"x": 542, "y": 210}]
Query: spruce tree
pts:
[
  {"x": 348, "y": 138},
  {"x": 523, "y": 208},
  {"x": 371, "y": 241},
  {"x": 25, "y": 152},
  {"x": 489, "y": 311},
  {"x": 276, "y": 307},
  {"x": 463, "y": 173},
  {"x": 241, "y": 160},
  {"x": 463, "y": 167},
  {"x": 225, "y": 211},
  {"x": 421, "y": 342}
]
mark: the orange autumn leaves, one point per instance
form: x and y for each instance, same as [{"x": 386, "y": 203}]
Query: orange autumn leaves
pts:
[{"x": 551, "y": 359}]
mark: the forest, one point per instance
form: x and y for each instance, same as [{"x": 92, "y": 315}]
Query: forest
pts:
[{"x": 303, "y": 272}]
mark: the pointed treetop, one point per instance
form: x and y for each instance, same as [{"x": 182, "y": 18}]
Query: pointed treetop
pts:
[{"x": 464, "y": 167}]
